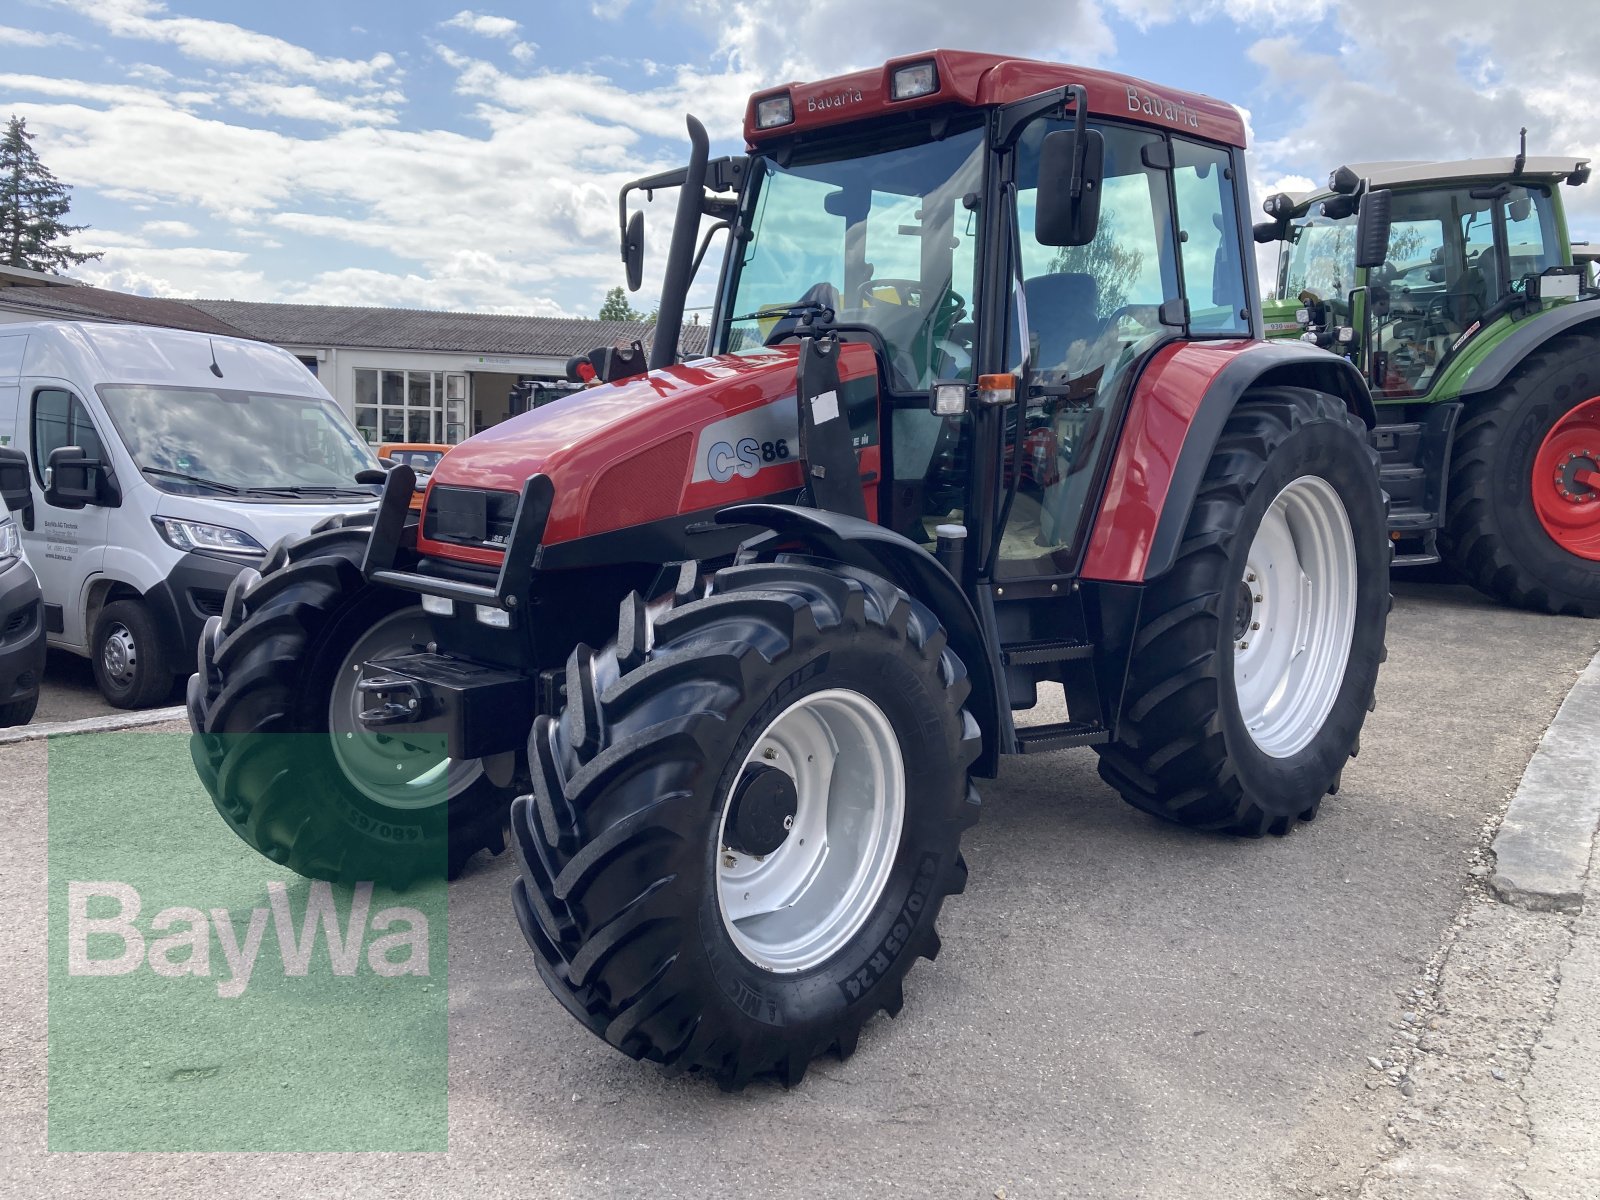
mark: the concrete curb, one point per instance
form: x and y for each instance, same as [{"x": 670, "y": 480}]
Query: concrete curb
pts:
[
  {"x": 131, "y": 720},
  {"x": 1542, "y": 848}
]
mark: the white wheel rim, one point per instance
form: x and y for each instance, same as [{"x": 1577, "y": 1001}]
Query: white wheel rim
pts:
[
  {"x": 386, "y": 765},
  {"x": 1296, "y": 617},
  {"x": 795, "y": 907}
]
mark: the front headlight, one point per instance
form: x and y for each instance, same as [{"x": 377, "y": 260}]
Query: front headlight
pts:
[
  {"x": 10, "y": 540},
  {"x": 214, "y": 539}
]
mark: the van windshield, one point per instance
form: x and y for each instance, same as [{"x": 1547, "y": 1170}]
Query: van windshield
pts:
[{"x": 238, "y": 442}]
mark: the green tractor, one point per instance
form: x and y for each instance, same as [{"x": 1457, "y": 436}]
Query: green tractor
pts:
[{"x": 1479, "y": 338}]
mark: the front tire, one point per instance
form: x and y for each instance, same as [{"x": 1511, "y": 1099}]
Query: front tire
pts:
[
  {"x": 1523, "y": 518},
  {"x": 671, "y": 906},
  {"x": 130, "y": 668},
  {"x": 280, "y": 748},
  {"x": 1256, "y": 656}
]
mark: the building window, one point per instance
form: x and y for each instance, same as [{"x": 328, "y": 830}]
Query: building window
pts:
[
  {"x": 309, "y": 362},
  {"x": 402, "y": 406}
]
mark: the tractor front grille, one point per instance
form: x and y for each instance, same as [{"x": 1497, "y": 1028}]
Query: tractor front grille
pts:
[{"x": 469, "y": 516}]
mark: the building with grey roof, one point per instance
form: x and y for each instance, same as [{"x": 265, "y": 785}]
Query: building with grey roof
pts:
[{"x": 403, "y": 374}]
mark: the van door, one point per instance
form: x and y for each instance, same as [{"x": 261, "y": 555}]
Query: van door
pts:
[{"x": 67, "y": 545}]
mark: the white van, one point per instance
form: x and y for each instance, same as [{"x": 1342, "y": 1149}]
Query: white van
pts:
[{"x": 163, "y": 463}]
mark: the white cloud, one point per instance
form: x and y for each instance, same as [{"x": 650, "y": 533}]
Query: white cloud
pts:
[
  {"x": 775, "y": 45},
  {"x": 101, "y": 93},
  {"x": 10, "y": 35},
  {"x": 180, "y": 229},
  {"x": 302, "y": 102},
  {"x": 226, "y": 44},
  {"x": 483, "y": 24}
]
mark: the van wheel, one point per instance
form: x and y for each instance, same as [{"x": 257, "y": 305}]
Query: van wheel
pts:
[{"x": 129, "y": 667}]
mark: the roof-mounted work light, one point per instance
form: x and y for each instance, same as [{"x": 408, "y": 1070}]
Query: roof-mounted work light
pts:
[{"x": 917, "y": 79}]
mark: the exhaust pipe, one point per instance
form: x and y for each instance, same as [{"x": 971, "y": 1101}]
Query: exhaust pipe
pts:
[{"x": 680, "y": 255}]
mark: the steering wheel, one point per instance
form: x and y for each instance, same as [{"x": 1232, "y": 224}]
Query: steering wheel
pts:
[{"x": 1441, "y": 310}]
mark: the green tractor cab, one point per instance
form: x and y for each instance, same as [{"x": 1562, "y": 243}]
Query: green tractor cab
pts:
[{"x": 1477, "y": 333}]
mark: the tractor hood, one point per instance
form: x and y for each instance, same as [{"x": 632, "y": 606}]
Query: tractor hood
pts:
[
  {"x": 1279, "y": 320},
  {"x": 686, "y": 438}
]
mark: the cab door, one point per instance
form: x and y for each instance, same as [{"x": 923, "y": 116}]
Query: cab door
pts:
[{"x": 66, "y": 544}]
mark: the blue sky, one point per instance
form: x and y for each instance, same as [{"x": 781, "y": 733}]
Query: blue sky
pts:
[{"x": 422, "y": 154}]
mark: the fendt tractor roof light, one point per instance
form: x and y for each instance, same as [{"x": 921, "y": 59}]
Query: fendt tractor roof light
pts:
[
  {"x": 774, "y": 111},
  {"x": 918, "y": 79}
]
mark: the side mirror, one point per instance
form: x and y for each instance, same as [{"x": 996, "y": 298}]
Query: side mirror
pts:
[
  {"x": 1372, "y": 228},
  {"x": 1267, "y": 232},
  {"x": 1064, "y": 215},
  {"x": 16, "y": 489},
  {"x": 633, "y": 250},
  {"x": 71, "y": 478}
]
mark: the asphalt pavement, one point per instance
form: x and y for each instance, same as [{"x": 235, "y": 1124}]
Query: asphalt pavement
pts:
[{"x": 1121, "y": 1008}]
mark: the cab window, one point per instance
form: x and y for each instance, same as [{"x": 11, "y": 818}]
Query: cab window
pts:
[
  {"x": 60, "y": 419},
  {"x": 1090, "y": 312},
  {"x": 1208, "y": 238}
]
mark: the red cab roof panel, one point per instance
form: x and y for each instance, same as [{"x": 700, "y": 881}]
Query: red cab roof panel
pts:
[{"x": 971, "y": 80}]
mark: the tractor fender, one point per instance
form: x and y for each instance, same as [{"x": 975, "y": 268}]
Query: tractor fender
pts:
[
  {"x": 1182, "y": 399},
  {"x": 1526, "y": 337},
  {"x": 868, "y": 547}
]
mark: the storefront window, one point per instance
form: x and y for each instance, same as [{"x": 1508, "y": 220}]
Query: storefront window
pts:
[{"x": 403, "y": 406}]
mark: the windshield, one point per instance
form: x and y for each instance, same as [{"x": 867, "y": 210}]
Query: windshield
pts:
[
  {"x": 421, "y": 461},
  {"x": 886, "y": 240},
  {"x": 223, "y": 441},
  {"x": 1320, "y": 257}
]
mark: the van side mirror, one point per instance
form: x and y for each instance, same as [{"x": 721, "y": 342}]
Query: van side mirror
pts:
[
  {"x": 71, "y": 478},
  {"x": 633, "y": 250},
  {"x": 1065, "y": 215},
  {"x": 1372, "y": 229},
  {"x": 16, "y": 489}
]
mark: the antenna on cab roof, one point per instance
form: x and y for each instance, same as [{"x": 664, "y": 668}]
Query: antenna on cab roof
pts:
[{"x": 215, "y": 370}]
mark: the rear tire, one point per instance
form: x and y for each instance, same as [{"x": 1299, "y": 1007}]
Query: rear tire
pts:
[
  {"x": 268, "y": 670},
  {"x": 626, "y": 852},
  {"x": 130, "y": 668},
  {"x": 1493, "y": 534},
  {"x": 1190, "y": 749}
]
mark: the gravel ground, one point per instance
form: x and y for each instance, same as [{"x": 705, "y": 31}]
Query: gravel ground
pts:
[{"x": 1122, "y": 1009}]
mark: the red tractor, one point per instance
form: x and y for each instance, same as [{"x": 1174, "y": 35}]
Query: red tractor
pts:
[{"x": 725, "y": 641}]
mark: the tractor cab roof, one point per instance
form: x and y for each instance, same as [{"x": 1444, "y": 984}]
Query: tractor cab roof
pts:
[
  {"x": 1403, "y": 173},
  {"x": 962, "y": 79}
]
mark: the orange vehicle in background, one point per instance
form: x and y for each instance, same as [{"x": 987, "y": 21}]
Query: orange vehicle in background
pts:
[{"x": 421, "y": 457}]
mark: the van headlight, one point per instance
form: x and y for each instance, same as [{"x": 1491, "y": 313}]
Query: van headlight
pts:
[
  {"x": 10, "y": 541},
  {"x": 214, "y": 539}
]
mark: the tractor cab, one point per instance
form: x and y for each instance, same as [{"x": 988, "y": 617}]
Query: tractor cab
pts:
[
  {"x": 970, "y": 218},
  {"x": 1472, "y": 244},
  {"x": 1475, "y": 324}
]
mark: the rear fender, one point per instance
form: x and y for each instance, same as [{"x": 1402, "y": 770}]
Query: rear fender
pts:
[
  {"x": 870, "y": 547},
  {"x": 1524, "y": 338},
  {"x": 1175, "y": 418}
]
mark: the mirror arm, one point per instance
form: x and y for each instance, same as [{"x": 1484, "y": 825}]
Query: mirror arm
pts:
[{"x": 705, "y": 244}]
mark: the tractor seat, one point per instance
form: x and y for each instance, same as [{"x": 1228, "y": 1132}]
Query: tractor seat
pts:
[{"x": 1062, "y": 309}]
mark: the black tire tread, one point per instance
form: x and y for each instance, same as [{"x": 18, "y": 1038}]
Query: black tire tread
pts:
[
  {"x": 578, "y": 853},
  {"x": 1170, "y": 759}
]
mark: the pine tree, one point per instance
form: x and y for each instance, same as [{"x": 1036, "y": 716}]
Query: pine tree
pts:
[{"x": 32, "y": 205}]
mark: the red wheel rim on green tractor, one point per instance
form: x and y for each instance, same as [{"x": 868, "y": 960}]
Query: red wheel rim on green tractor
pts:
[{"x": 1566, "y": 481}]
